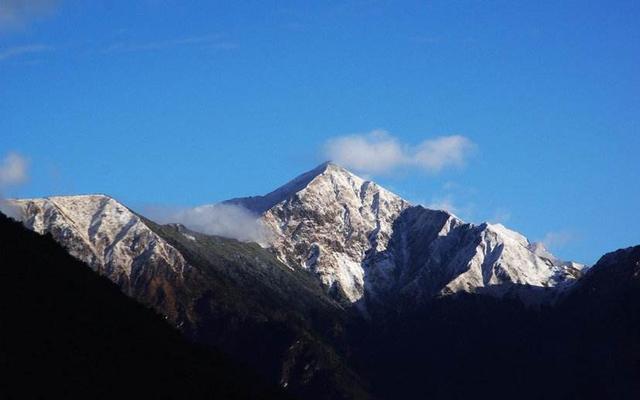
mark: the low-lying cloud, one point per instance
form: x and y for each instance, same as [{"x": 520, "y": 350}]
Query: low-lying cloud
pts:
[
  {"x": 380, "y": 152},
  {"x": 226, "y": 220},
  {"x": 14, "y": 171}
]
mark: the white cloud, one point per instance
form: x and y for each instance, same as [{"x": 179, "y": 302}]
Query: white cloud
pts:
[
  {"x": 16, "y": 51},
  {"x": 13, "y": 170},
  {"x": 380, "y": 152},
  {"x": 225, "y": 220},
  {"x": 374, "y": 152},
  {"x": 442, "y": 152}
]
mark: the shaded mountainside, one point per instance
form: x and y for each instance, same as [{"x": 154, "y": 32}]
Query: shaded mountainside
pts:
[
  {"x": 68, "y": 332},
  {"x": 270, "y": 316},
  {"x": 603, "y": 314},
  {"x": 464, "y": 346}
]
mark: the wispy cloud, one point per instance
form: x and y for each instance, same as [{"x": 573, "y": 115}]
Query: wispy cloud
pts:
[
  {"x": 380, "y": 152},
  {"x": 13, "y": 170},
  {"x": 216, "y": 41},
  {"x": 555, "y": 240},
  {"x": 225, "y": 220},
  {"x": 16, "y": 51},
  {"x": 15, "y": 14}
]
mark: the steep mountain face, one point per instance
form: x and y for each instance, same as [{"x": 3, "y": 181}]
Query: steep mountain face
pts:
[
  {"x": 327, "y": 221},
  {"x": 70, "y": 333},
  {"x": 367, "y": 245},
  {"x": 433, "y": 253},
  {"x": 219, "y": 292}
]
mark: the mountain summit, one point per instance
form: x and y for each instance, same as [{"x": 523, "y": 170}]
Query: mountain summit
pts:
[
  {"x": 368, "y": 245},
  {"x": 327, "y": 220}
]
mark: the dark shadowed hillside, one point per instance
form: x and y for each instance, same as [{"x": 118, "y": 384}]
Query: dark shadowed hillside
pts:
[
  {"x": 465, "y": 346},
  {"x": 68, "y": 333},
  {"x": 274, "y": 318}
]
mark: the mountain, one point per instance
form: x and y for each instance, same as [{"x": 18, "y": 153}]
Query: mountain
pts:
[
  {"x": 326, "y": 220},
  {"x": 369, "y": 246},
  {"x": 360, "y": 294},
  {"x": 586, "y": 345},
  {"x": 69, "y": 333},
  {"x": 218, "y": 292},
  {"x": 602, "y": 316}
]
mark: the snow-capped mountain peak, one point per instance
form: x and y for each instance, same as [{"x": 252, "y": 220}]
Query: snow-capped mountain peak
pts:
[
  {"x": 326, "y": 220},
  {"x": 364, "y": 241}
]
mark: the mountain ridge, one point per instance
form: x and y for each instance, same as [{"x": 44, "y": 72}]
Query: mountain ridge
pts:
[
  {"x": 339, "y": 226},
  {"x": 334, "y": 223}
]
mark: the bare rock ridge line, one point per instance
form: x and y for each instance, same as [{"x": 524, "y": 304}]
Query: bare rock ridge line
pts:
[{"x": 366, "y": 245}]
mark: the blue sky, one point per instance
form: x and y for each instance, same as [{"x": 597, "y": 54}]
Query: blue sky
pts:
[{"x": 168, "y": 103}]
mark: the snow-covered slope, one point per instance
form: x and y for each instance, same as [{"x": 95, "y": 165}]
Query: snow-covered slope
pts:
[
  {"x": 112, "y": 240},
  {"x": 434, "y": 253},
  {"x": 327, "y": 220},
  {"x": 367, "y": 244}
]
